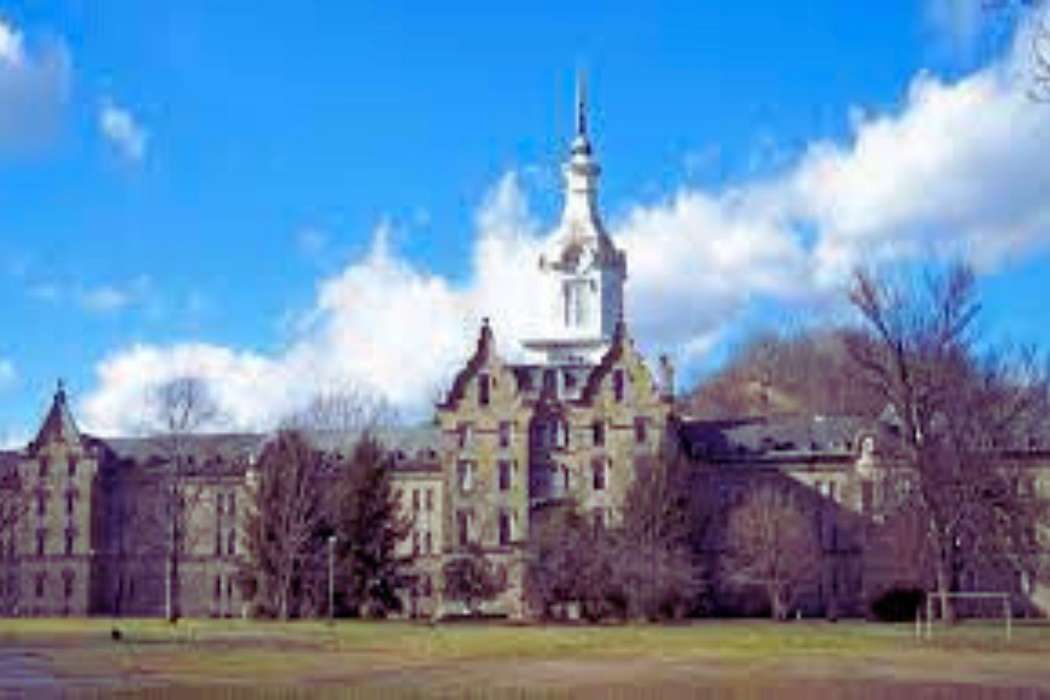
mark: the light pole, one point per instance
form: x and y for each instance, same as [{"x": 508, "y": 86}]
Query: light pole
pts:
[{"x": 331, "y": 579}]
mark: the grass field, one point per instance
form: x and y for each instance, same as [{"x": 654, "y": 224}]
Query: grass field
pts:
[{"x": 744, "y": 659}]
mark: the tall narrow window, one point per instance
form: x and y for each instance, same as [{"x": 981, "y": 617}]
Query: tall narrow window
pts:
[
  {"x": 44, "y": 467},
  {"x": 71, "y": 498},
  {"x": 618, "y": 386},
  {"x": 231, "y": 542},
  {"x": 504, "y": 528},
  {"x": 41, "y": 503},
  {"x": 483, "y": 389},
  {"x": 640, "y": 430},
  {"x": 504, "y": 434},
  {"x": 504, "y": 475},
  {"x": 466, "y": 432},
  {"x": 428, "y": 543},
  {"x": 70, "y": 540},
  {"x": 598, "y": 433},
  {"x": 218, "y": 503},
  {"x": 466, "y": 475},
  {"x": 72, "y": 464},
  {"x": 41, "y": 580},
  {"x": 218, "y": 587},
  {"x": 415, "y": 544},
  {"x": 430, "y": 500},
  {"x": 231, "y": 503},
  {"x": 599, "y": 475},
  {"x": 218, "y": 540},
  {"x": 415, "y": 500},
  {"x": 463, "y": 527},
  {"x": 41, "y": 540}
]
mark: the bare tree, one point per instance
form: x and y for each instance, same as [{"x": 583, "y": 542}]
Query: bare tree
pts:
[
  {"x": 177, "y": 411},
  {"x": 284, "y": 520},
  {"x": 771, "y": 543},
  {"x": 959, "y": 415},
  {"x": 14, "y": 503}
]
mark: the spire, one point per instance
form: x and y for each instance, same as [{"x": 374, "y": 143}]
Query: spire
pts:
[
  {"x": 581, "y": 104},
  {"x": 58, "y": 425},
  {"x": 581, "y": 143}
]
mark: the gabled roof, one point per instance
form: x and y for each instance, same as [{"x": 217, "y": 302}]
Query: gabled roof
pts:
[{"x": 58, "y": 425}]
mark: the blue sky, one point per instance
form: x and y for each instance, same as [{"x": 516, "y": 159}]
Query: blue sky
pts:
[{"x": 239, "y": 188}]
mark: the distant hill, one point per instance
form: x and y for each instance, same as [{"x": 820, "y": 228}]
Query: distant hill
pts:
[{"x": 810, "y": 373}]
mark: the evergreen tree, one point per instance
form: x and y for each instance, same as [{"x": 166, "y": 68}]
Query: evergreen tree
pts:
[{"x": 368, "y": 526}]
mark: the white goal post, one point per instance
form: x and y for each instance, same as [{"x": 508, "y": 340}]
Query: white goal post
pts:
[{"x": 935, "y": 596}]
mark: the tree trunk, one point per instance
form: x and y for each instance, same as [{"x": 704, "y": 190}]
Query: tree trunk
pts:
[{"x": 943, "y": 589}]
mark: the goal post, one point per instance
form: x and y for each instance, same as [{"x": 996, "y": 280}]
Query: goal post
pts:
[{"x": 935, "y": 597}]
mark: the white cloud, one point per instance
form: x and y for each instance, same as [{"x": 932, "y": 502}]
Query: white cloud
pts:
[
  {"x": 110, "y": 298},
  {"x": 121, "y": 129},
  {"x": 961, "y": 169},
  {"x": 311, "y": 242},
  {"x": 34, "y": 86}
]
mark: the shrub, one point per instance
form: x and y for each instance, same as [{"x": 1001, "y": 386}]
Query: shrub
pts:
[{"x": 897, "y": 604}]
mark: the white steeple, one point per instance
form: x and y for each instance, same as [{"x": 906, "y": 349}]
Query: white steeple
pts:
[{"x": 583, "y": 272}]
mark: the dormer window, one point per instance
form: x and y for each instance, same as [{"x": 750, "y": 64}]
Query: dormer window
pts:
[{"x": 484, "y": 380}]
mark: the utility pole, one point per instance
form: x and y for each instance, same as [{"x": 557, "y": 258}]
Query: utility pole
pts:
[{"x": 331, "y": 579}]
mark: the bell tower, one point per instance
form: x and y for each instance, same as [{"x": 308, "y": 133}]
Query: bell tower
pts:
[{"x": 583, "y": 272}]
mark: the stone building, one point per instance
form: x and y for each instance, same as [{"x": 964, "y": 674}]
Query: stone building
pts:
[{"x": 575, "y": 415}]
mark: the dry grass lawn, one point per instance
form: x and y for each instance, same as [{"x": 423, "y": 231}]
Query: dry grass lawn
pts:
[{"x": 745, "y": 659}]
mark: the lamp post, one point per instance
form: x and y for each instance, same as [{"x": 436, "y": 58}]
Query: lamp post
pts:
[{"x": 331, "y": 579}]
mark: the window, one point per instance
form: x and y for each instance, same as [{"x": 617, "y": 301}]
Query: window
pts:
[
  {"x": 218, "y": 587},
  {"x": 67, "y": 583},
  {"x": 463, "y": 527},
  {"x": 41, "y": 581},
  {"x": 44, "y": 467},
  {"x": 618, "y": 386},
  {"x": 466, "y": 475},
  {"x": 218, "y": 540},
  {"x": 231, "y": 542},
  {"x": 598, "y": 474},
  {"x": 72, "y": 464},
  {"x": 550, "y": 382},
  {"x": 599, "y": 518},
  {"x": 231, "y": 502},
  {"x": 428, "y": 543},
  {"x": 466, "y": 434},
  {"x": 598, "y": 433},
  {"x": 70, "y": 539},
  {"x": 640, "y": 430},
  {"x": 415, "y": 544},
  {"x": 41, "y": 503},
  {"x": 561, "y": 433},
  {"x": 41, "y": 539},
  {"x": 504, "y": 528},
  {"x": 415, "y": 500},
  {"x": 483, "y": 389},
  {"x": 428, "y": 587},
  {"x": 70, "y": 503},
  {"x": 504, "y": 475},
  {"x": 867, "y": 496},
  {"x": 430, "y": 500},
  {"x": 565, "y": 479},
  {"x": 504, "y": 434},
  {"x": 218, "y": 503},
  {"x": 831, "y": 491}
]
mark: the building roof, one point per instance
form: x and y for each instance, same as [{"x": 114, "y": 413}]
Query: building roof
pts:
[
  {"x": 772, "y": 437},
  {"x": 58, "y": 425}
]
